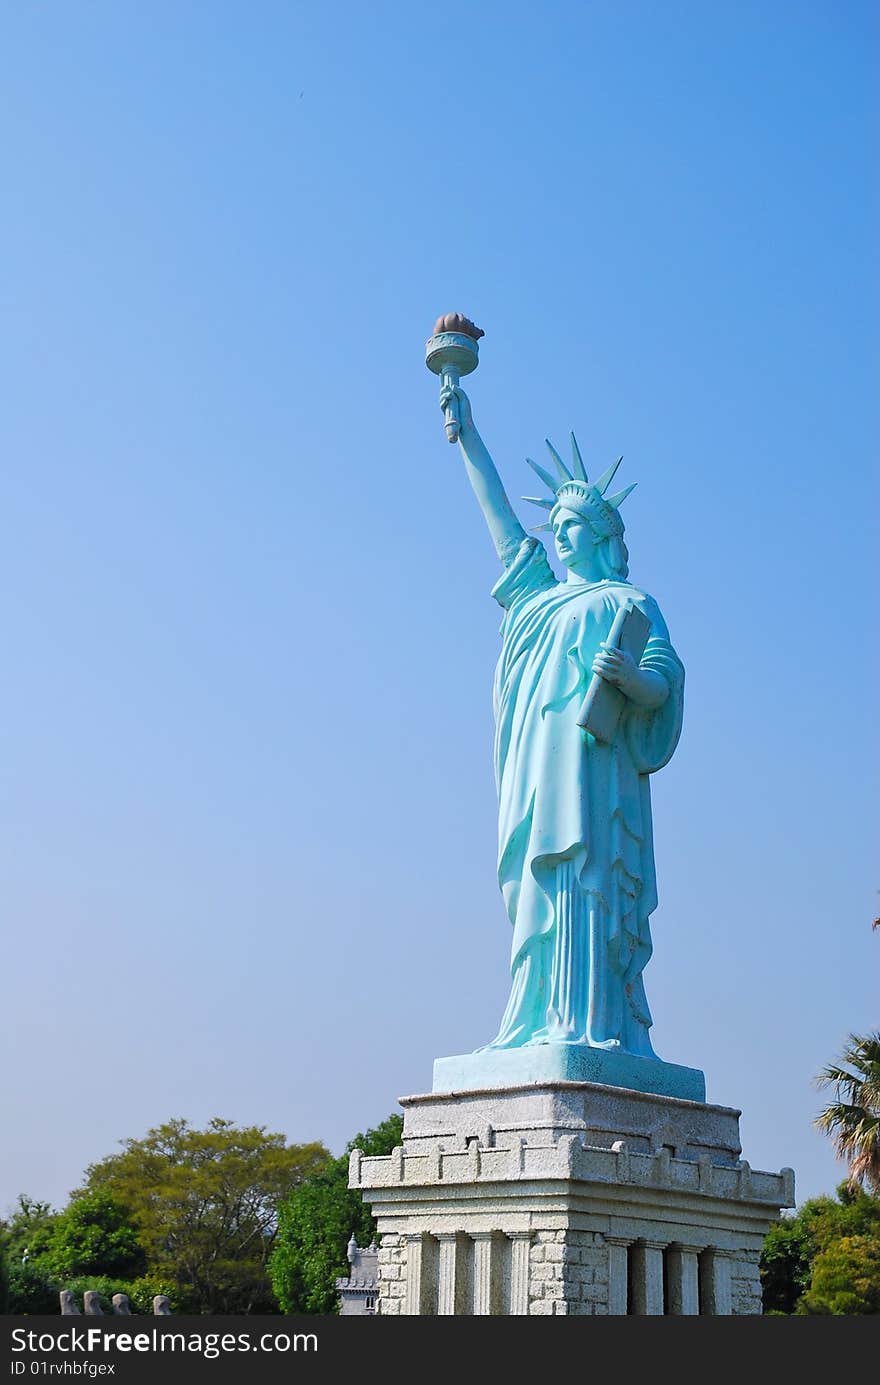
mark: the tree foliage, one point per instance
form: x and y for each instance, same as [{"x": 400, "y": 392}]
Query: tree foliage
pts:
[
  {"x": 24, "y": 1238},
  {"x": 26, "y": 1234},
  {"x": 799, "y": 1246},
  {"x": 315, "y": 1224},
  {"x": 204, "y": 1203},
  {"x": 852, "y": 1118},
  {"x": 146, "y": 1287},
  {"x": 826, "y": 1259},
  {"x": 31, "y": 1289},
  {"x": 845, "y": 1278},
  {"x": 92, "y": 1244},
  {"x": 786, "y": 1262},
  {"x": 93, "y": 1235}
]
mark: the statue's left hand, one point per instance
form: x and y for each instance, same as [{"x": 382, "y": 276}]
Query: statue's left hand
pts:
[
  {"x": 617, "y": 667},
  {"x": 643, "y": 686}
]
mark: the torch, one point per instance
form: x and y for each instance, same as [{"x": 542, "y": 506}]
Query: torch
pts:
[{"x": 451, "y": 352}]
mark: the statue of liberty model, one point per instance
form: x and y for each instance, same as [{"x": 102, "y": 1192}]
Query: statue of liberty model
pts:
[{"x": 588, "y": 705}]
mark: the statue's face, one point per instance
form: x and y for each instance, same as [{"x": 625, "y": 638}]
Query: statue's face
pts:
[{"x": 574, "y": 538}]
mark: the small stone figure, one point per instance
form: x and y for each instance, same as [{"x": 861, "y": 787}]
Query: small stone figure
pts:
[
  {"x": 161, "y": 1306},
  {"x": 92, "y": 1303},
  {"x": 69, "y": 1305},
  {"x": 121, "y": 1305}
]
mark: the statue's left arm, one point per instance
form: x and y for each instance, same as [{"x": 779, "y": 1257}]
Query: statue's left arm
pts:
[
  {"x": 654, "y": 689},
  {"x": 644, "y": 686}
]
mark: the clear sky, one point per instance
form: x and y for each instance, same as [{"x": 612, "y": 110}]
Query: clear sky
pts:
[{"x": 248, "y": 811}]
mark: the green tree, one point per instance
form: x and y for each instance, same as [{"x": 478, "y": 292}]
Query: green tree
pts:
[
  {"x": 143, "y": 1290},
  {"x": 4, "y": 1280},
  {"x": 204, "y": 1203},
  {"x": 24, "y": 1236},
  {"x": 31, "y": 1289},
  {"x": 315, "y": 1224},
  {"x": 27, "y": 1232},
  {"x": 786, "y": 1262},
  {"x": 794, "y": 1245},
  {"x": 845, "y": 1279},
  {"x": 852, "y": 1118},
  {"x": 93, "y": 1235}
]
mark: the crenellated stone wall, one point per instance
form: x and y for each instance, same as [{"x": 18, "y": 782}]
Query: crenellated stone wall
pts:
[{"x": 500, "y": 1204}]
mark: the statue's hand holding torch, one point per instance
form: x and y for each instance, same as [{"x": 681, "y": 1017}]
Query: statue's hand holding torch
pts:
[
  {"x": 451, "y": 352},
  {"x": 456, "y": 407}
]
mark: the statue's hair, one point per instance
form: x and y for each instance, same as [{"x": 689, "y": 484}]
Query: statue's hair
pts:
[
  {"x": 614, "y": 555},
  {"x": 587, "y": 499}
]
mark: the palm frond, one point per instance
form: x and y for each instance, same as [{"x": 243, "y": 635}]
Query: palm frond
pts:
[{"x": 852, "y": 1120}]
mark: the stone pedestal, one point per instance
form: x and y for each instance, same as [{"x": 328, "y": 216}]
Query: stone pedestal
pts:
[
  {"x": 537, "y": 1064},
  {"x": 569, "y": 1198}
]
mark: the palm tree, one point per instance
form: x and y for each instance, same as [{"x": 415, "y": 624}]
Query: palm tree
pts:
[{"x": 853, "y": 1118}]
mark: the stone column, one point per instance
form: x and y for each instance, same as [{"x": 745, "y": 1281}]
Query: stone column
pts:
[
  {"x": 618, "y": 1276},
  {"x": 487, "y": 1268},
  {"x": 647, "y": 1278},
  {"x": 418, "y": 1278},
  {"x": 715, "y": 1283},
  {"x": 682, "y": 1269},
  {"x": 452, "y": 1275},
  {"x": 519, "y": 1273}
]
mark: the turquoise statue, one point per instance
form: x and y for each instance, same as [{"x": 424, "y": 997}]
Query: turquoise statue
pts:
[{"x": 588, "y": 705}]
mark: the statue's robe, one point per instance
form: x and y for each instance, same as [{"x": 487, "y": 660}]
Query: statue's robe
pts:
[{"x": 575, "y": 851}]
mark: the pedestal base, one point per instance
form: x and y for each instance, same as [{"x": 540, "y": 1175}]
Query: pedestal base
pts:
[
  {"x": 540, "y": 1063},
  {"x": 569, "y": 1198}
]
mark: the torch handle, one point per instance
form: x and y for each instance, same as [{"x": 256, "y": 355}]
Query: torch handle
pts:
[{"x": 448, "y": 380}]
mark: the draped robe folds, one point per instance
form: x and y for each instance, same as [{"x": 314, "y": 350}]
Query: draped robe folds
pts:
[{"x": 575, "y": 850}]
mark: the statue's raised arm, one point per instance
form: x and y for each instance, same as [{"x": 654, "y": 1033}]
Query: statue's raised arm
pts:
[
  {"x": 451, "y": 352},
  {"x": 506, "y": 531}
]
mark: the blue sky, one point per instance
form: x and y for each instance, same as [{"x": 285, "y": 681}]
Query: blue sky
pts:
[{"x": 248, "y": 814}]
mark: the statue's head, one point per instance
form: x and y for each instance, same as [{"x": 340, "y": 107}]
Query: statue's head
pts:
[
  {"x": 586, "y": 524},
  {"x": 581, "y": 545}
]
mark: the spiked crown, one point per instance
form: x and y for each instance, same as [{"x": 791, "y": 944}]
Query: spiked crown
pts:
[{"x": 575, "y": 492}]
